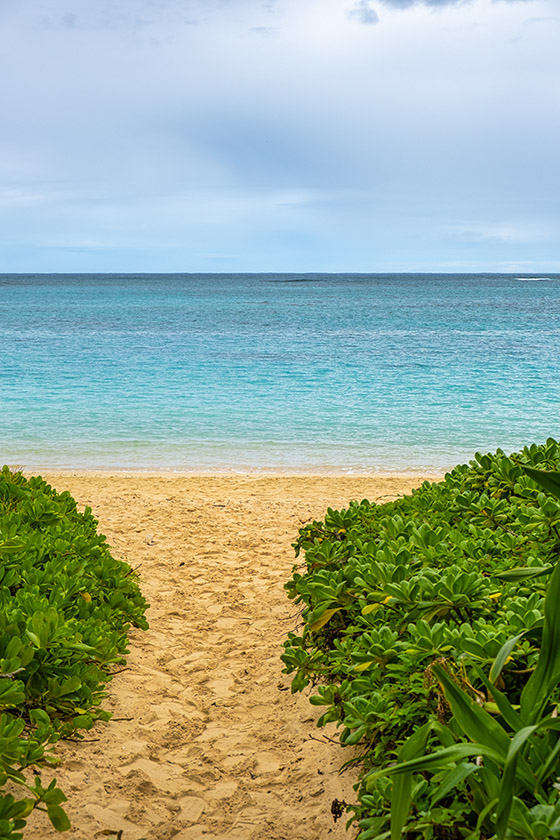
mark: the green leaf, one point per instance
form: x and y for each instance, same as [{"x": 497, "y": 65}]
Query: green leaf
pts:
[
  {"x": 70, "y": 685},
  {"x": 53, "y": 795},
  {"x": 453, "y": 780},
  {"x": 509, "y": 714},
  {"x": 477, "y": 724},
  {"x": 521, "y": 819},
  {"x": 548, "y": 480},
  {"x": 402, "y": 786},
  {"x": 507, "y": 788},
  {"x": 322, "y": 620},
  {"x": 508, "y": 783},
  {"x": 22, "y": 808},
  {"x": 58, "y": 817},
  {"x": 439, "y": 760},
  {"x": 549, "y": 766},
  {"x": 363, "y": 666},
  {"x": 11, "y": 546},
  {"x": 484, "y": 814},
  {"x": 39, "y": 716},
  {"x": 547, "y": 673},
  {"x": 524, "y": 573},
  {"x": 11, "y": 693},
  {"x": 503, "y": 654}
]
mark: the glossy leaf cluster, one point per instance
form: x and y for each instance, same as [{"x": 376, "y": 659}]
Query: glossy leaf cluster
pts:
[
  {"x": 66, "y": 606},
  {"x": 447, "y": 581}
]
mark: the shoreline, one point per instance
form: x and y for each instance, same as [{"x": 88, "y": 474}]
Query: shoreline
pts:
[{"x": 261, "y": 472}]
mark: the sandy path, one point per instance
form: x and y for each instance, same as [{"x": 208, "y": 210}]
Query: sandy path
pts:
[{"x": 207, "y": 741}]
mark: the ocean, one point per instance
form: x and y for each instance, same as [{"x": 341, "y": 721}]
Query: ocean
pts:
[{"x": 350, "y": 373}]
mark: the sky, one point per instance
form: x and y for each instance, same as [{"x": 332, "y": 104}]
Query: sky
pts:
[{"x": 279, "y": 135}]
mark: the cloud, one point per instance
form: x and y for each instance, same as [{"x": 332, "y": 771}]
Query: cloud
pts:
[
  {"x": 68, "y": 20},
  {"x": 10, "y": 197},
  {"x": 407, "y": 4},
  {"x": 278, "y": 133},
  {"x": 363, "y": 13},
  {"x": 506, "y": 232},
  {"x": 121, "y": 15},
  {"x": 266, "y": 31},
  {"x": 546, "y": 20}
]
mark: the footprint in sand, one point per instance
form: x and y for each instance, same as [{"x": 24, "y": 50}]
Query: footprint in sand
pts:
[{"x": 203, "y": 745}]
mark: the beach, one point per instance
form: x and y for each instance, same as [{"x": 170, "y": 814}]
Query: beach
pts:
[{"x": 206, "y": 740}]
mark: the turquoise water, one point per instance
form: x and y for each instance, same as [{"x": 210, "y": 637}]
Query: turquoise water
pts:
[{"x": 352, "y": 373}]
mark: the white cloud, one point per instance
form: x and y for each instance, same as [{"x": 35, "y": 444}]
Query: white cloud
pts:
[
  {"x": 504, "y": 232},
  {"x": 407, "y": 4},
  {"x": 363, "y": 12},
  {"x": 131, "y": 126}
]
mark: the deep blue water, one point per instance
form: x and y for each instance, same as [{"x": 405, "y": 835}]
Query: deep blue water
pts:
[{"x": 311, "y": 372}]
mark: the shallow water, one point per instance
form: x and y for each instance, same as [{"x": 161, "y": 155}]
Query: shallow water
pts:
[{"x": 288, "y": 372}]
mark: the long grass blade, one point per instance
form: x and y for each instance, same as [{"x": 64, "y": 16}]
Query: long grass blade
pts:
[
  {"x": 524, "y": 573},
  {"x": 402, "y": 786},
  {"x": 509, "y": 714},
  {"x": 484, "y": 814},
  {"x": 503, "y": 654},
  {"x": 507, "y": 787},
  {"x": 549, "y": 765},
  {"x": 547, "y": 673},
  {"x": 436, "y": 761},
  {"x": 453, "y": 780},
  {"x": 477, "y": 724},
  {"x": 480, "y": 726}
]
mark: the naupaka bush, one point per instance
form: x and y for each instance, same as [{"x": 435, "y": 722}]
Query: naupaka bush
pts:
[
  {"x": 66, "y": 606},
  {"x": 404, "y": 600}
]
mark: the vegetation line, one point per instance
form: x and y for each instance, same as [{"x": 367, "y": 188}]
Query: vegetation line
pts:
[
  {"x": 66, "y": 606},
  {"x": 431, "y": 635}
]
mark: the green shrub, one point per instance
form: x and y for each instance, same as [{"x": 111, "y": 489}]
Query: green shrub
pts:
[
  {"x": 66, "y": 606},
  {"x": 405, "y": 600}
]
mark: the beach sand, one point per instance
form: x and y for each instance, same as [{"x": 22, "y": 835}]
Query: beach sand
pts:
[{"x": 207, "y": 741}]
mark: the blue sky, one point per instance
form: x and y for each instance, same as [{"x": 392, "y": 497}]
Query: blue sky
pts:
[{"x": 280, "y": 135}]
